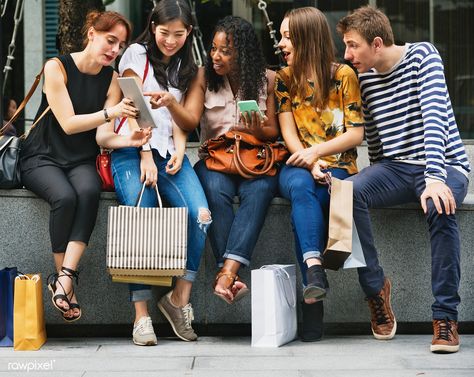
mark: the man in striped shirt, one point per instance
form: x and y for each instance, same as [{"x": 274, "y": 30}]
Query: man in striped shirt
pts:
[{"x": 416, "y": 154}]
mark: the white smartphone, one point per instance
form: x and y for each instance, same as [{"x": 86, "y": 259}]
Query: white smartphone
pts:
[
  {"x": 249, "y": 106},
  {"x": 131, "y": 90}
]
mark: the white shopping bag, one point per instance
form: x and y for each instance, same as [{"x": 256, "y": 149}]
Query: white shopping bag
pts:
[
  {"x": 274, "y": 320},
  {"x": 356, "y": 259}
]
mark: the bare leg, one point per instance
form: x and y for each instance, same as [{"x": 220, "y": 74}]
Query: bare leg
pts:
[
  {"x": 181, "y": 293},
  {"x": 141, "y": 310}
]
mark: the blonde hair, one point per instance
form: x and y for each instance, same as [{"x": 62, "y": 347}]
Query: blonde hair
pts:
[{"x": 313, "y": 53}]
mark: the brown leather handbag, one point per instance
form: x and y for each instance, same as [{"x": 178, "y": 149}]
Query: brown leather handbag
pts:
[{"x": 237, "y": 152}]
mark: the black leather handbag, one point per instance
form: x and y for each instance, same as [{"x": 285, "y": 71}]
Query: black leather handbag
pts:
[{"x": 10, "y": 147}]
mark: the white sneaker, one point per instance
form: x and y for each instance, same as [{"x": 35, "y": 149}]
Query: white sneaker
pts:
[{"x": 143, "y": 333}]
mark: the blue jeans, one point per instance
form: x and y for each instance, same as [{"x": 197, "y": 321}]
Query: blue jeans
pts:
[
  {"x": 234, "y": 235},
  {"x": 180, "y": 190},
  {"x": 309, "y": 211},
  {"x": 390, "y": 183}
]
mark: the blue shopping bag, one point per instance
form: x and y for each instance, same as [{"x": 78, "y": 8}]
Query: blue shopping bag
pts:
[{"x": 7, "y": 283}]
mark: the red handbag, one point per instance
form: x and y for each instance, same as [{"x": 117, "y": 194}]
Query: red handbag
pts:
[{"x": 104, "y": 169}]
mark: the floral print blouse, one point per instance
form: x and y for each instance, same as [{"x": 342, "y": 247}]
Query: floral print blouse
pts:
[{"x": 316, "y": 126}]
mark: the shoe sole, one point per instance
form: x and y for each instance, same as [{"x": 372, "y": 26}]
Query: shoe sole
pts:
[
  {"x": 314, "y": 292},
  {"x": 165, "y": 313},
  {"x": 149, "y": 343},
  {"x": 439, "y": 348},
  {"x": 386, "y": 337}
]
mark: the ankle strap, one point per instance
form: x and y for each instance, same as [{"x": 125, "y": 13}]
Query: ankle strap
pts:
[{"x": 71, "y": 273}]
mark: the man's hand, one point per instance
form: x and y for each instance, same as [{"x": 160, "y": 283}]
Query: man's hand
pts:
[
  {"x": 304, "y": 158},
  {"x": 439, "y": 191}
]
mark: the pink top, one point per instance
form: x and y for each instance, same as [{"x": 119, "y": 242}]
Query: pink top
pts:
[{"x": 221, "y": 111}]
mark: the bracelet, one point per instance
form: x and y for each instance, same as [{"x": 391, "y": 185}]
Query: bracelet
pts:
[{"x": 106, "y": 116}]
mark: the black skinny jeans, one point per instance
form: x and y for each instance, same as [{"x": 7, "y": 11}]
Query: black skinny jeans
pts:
[{"x": 73, "y": 195}]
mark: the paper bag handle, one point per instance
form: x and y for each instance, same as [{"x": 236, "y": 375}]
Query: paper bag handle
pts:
[
  {"x": 35, "y": 278},
  {"x": 141, "y": 195},
  {"x": 279, "y": 274}
]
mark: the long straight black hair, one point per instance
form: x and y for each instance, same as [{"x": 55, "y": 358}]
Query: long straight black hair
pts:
[{"x": 181, "y": 68}]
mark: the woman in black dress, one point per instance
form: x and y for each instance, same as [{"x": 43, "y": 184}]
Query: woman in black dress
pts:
[{"x": 58, "y": 157}]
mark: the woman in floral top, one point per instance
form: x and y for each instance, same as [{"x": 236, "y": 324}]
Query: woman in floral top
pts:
[{"x": 319, "y": 110}]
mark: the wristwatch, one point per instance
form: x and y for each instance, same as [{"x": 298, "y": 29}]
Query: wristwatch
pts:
[
  {"x": 106, "y": 116},
  {"x": 146, "y": 147}
]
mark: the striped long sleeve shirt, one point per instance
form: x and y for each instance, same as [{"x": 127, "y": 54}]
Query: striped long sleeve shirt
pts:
[{"x": 408, "y": 114}]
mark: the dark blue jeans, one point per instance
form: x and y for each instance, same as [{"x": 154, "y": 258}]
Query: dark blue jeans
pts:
[
  {"x": 179, "y": 190},
  {"x": 390, "y": 183},
  {"x": 234, "y": 235},
  {"x": 309, "y": 211}
]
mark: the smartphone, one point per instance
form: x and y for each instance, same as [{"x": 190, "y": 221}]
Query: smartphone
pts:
[
  {"x": 248, "y": 107},
  {"x": 131, "y": 90}
]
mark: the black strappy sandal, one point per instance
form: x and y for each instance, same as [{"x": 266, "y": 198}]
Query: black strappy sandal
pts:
[
  {"x": 73, "y": 275},
  {"x": 53, "y": 281}
]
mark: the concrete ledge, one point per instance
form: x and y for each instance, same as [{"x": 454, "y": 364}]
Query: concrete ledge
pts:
[{"x": 400, "y": 233}]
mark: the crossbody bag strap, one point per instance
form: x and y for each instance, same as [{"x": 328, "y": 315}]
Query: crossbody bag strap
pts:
[
  {"x": 145, "y": 74},
  {"x": 30, "y": 94}
]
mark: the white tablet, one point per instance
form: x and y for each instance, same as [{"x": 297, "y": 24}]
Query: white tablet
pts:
[{"x": 131, "y": 90}]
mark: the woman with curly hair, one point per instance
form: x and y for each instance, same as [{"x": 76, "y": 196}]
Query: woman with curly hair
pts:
[
  {"x": 319, "y": 110},
  {"x": 235, "y": 71}
]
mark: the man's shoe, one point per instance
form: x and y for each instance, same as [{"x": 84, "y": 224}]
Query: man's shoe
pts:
[
  {"x": 445, "y": 336},
  {"x": 382, "y": 320},
  {"x": 143, "y": 333},
  {"x": 317, "y": 283},
  {"x": 179, "y": 318},
  {"x": 312, "y": 329}
]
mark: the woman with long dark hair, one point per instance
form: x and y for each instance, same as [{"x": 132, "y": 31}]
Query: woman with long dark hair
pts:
[
  {"x": 161, "y": 61},
  {"x": 235, "y": 70}
]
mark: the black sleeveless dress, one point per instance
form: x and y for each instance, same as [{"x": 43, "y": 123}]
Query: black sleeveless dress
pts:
[{"x": 47, "y": 143}]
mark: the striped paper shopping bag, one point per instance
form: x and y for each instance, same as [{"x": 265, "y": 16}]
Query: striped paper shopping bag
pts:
[{"x": 147, "y": 241}]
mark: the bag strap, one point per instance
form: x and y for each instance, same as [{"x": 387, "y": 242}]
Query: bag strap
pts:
[
  {"x": 239, "y": 164},
  {"x": 145, "y": 74},
  {"x": 30, "y": 94},
  {"x": 141, "y": 195},
  {"x": 281, "y": 274}
]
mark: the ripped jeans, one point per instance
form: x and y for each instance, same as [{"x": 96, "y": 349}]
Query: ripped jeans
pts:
[{"x": 180, "y": 190}]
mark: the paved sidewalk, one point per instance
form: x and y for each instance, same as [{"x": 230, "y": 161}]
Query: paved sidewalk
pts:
[{"x": 336, "y": 356}]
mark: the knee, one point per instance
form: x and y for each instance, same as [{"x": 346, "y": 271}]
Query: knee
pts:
[
  {"x": 67, "y": 200},
  {"x": 89, "y": 194},
  {"x": 204, "y": 219}
]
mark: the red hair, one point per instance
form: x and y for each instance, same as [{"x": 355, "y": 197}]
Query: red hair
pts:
[{"x": 103, "y": 22}]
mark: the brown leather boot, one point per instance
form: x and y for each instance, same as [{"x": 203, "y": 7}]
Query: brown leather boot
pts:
[
  {"x": 445, "y": 336},
  {"x": 382, "y": 319}
]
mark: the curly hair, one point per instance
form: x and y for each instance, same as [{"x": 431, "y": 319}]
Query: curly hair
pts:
[
  {"x": 249, "y": 65},
  {"x": 182, "y": 68}
]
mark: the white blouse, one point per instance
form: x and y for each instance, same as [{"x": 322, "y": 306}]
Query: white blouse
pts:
[{"x": 134, "y": 58}]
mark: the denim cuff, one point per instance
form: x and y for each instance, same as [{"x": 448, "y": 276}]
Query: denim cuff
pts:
[
  {"x": 238, "y": 258},
  {"x": 312, "y": 254},
  {"x": 140, "y": 295},
  {"x": 189, "y": 276}
]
